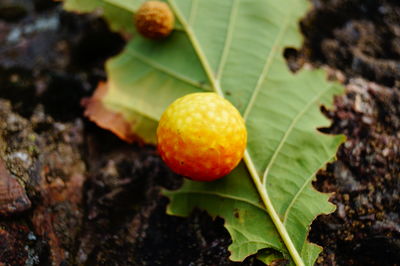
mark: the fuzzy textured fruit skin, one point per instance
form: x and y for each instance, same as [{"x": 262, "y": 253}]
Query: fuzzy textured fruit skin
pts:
[
  {"x": 201, "y": 136},
  {"x": 154, "y": 20}
]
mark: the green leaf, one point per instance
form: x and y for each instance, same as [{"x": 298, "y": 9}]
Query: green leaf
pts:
[
  {"x": 118, "y": 13},
  {"x": 269, "y": 256},
  {"x": 235, "y": 48}
]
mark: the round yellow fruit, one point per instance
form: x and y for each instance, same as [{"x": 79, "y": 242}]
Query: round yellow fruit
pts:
[
  {"x": 201, "y": 136},
  {"x": 154, "y": 20}
]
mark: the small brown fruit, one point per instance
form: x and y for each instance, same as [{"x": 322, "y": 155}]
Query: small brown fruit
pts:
[{"x": 154, "y": 20}]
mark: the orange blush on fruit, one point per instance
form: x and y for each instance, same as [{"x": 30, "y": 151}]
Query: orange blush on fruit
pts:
[{"x": 201, "y": 136}]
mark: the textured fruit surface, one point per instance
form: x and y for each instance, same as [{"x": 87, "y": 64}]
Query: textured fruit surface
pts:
[
  {"x": 154, "y": 20},
  {"x": 201, "y": 136}
]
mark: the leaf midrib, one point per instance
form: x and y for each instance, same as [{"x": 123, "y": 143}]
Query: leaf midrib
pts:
[{"x": 250, "y": 165}]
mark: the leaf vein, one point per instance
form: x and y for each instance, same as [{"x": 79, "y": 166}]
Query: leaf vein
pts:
[
  {"x": 228, "y": 40},
  {"x": 268, "y": 244},
  {"x": 165, "y": 70},
  {"x": 193, "y": 12},
  {"x": 268, "y": 63},
  {"x": 308, "y": 180},
  {"x": 289, "y": 131},
  {"x": 221, "y": 195}
]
